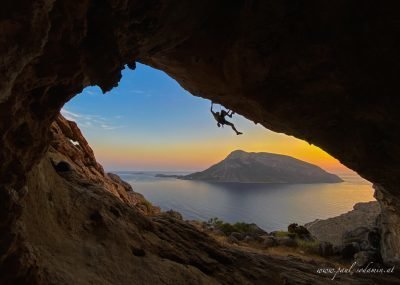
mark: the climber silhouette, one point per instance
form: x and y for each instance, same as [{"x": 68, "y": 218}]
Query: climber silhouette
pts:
[{"x": 220, "y": 118}]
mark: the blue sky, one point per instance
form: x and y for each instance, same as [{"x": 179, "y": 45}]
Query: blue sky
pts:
[{"x": 149, "y": 122}]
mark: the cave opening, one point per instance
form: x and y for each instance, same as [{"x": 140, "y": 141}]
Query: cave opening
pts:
[
  {"x": 150, "y": 126},
  {"x": 322, "y": 71}
]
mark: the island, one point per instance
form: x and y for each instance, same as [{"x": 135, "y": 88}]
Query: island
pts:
[{"x": 261, "y": 167}]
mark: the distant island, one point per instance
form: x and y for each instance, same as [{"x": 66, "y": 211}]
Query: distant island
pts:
[
  {"x": 170, "y": 176},
  {"x": 261, "y": 167}
]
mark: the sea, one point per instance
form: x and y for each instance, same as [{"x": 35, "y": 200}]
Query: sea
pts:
[{"x": 270, "y": 206}]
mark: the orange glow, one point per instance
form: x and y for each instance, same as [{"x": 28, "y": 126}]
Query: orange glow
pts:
[{"x": 198, "y": 154}]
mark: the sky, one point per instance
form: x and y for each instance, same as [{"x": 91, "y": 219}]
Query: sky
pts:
[{"x": 149, "y": 122}]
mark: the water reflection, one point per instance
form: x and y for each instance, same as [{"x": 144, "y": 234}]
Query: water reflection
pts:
[{"x": 272, "y": 206}]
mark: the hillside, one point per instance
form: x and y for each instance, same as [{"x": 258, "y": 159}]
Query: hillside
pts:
[{"x": 244, "y": 167}]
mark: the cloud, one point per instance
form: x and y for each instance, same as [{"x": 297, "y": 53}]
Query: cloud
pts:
[
  {"x": 109, "y": 128},
  {"x": 137, "y": 91},
  {"x": 90, "y": 121},
  {"x": 70, "y": 115},
  {"x": 89, "y": 92}
]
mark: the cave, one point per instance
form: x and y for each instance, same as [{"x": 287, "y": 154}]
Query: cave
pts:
[{"x": 322, "y": 71}]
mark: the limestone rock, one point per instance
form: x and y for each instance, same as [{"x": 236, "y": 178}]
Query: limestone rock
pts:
[
  {"x": 70, "y": 148},
  {"x": 332, "y": 229},
  {"x": 367, "y": 238}
]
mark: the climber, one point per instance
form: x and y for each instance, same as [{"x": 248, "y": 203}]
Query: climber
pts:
[{"x": 220, "y": 118}]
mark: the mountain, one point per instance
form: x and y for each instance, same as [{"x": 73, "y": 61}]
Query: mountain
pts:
[{"x": 262, "y": 167}]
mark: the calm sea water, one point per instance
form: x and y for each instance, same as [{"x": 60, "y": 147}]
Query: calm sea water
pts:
[{"x": 271, "y": 206}]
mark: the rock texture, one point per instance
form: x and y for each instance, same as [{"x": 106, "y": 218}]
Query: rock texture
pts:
[
  {"x": 69, "y": 147},
  {"x": 389, "y": 221},
  {"x": 332, "y": 229},
  {"x": 323, "y": 71},
  {"x": 250, "y": 167}
]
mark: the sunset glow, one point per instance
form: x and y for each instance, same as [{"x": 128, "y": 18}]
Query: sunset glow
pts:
[{"x": 150, "y": 123}]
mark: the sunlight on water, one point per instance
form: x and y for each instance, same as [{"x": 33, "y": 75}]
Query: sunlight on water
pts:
[{"x": 271, "y": 206}]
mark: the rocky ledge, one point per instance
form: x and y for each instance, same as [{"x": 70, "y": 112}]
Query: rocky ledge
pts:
[
  {"x": 355, "y": 235},
  {"x": 332, "y": 229}
]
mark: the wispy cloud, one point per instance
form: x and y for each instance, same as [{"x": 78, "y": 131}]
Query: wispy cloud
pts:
[
  {"x": 109, "y": 128},
  {"x": 70, "y": 115},
  {"x": 89, "y": 92},
  {"x": 137, "y": 91},
  {"x": 90, "y": 121}
]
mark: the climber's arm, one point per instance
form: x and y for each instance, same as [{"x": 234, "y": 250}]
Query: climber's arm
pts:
[{"x": 211, "y": 109}]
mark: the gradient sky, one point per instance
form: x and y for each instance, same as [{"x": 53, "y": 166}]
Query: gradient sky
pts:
[{"x": 149, "y": 122}]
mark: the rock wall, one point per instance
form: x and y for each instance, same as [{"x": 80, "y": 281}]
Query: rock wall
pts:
[
  {"x": 68, "y": 147},
  {"x": 389, "y": 223},
  {"x": 332, "y": 229}
]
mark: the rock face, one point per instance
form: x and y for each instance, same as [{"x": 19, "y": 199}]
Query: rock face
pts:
[
  {"x": 354, "y": 235},
  {"x": 68, "y": 147},
  {"x": 389, "y": 221},
  {"x": 245, "y": 167},
  {"x": 332, "y": 229},
  {"x": 323, "y": 71}
]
